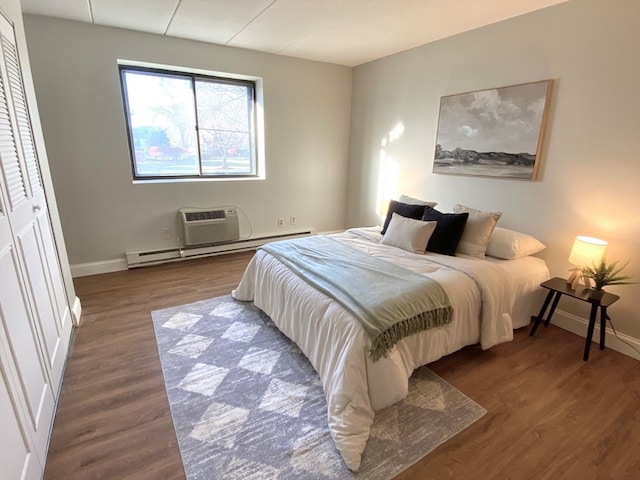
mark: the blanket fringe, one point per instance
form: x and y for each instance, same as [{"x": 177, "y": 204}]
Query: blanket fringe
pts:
[{"x": 385, "y": 341}]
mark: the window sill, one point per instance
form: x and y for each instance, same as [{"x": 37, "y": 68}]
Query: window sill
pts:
[{"x": 198, "y": 180}]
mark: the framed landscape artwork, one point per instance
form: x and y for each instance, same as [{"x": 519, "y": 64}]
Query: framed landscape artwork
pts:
[{"x": 493, "y": 133}]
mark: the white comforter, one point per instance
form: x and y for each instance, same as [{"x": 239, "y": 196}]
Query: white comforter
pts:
[{"x": 481, "y": 294}]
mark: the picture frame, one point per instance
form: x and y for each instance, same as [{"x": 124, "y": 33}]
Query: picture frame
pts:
[{"x": 496, "y": 132}]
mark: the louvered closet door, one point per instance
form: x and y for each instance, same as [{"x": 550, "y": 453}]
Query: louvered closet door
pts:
[
  {"x": 36, "y": 321},
  {"x": 39, "y": 202},
  {"x": 27, "y": 400},
  {"x": 34, "y": 229},
  {"x": 18, "y": 401}
]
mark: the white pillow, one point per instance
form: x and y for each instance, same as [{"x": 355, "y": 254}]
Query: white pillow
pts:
[
  {"x": 509, "y": 244},
  {"x": 415, "y": 201},
  {"x": 409, "y": 234},
  {"x": 477, "y": 230}
]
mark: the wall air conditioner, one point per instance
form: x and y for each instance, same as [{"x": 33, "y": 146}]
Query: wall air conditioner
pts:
[{"x": 205, "y": 226}]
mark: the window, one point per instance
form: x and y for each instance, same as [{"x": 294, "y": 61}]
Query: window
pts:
[{"x": 189, "y": 125}]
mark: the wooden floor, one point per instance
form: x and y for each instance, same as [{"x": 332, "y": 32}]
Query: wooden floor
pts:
[{"x": 550, "y": 415}]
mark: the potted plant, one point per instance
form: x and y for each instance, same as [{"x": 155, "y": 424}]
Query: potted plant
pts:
[{"x": 604, "y": 274}]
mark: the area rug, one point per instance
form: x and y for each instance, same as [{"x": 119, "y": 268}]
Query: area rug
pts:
[{"x": 247, "y": 404}]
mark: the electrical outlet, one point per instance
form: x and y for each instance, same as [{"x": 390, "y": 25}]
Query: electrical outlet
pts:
[
  {"x": 292, "y": 219},
  {"x": 280, "y": 222},
  {"x": 166, "y": 233}
]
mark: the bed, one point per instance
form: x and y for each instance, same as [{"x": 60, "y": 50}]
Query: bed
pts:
[{"x": 489, "y": 297}]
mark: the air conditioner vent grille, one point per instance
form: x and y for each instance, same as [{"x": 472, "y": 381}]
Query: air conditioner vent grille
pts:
[
  {"x": 206, "y": 226},
  {"x": 198, "y": 216}
]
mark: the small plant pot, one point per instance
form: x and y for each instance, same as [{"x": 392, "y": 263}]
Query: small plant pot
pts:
[{"x": 595, "y": 294}]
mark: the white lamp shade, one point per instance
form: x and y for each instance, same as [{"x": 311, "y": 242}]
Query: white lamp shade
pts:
[{"x": 587, "y": 251}]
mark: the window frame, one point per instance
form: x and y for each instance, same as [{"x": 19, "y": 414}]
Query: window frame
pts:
[{"x": 256, "y": 146}]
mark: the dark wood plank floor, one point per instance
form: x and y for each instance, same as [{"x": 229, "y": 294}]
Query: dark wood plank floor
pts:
[{"x": 550, "y": 415}]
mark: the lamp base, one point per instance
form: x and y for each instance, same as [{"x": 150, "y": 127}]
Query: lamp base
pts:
[{"x": 574, "y": 279}]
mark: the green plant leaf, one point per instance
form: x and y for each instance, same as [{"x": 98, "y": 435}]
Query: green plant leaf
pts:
[{"x": 603, "y": 274}]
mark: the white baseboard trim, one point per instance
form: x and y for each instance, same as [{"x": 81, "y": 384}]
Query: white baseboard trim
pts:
[
  {"x": 579, "y": 326},
  {"x": 95, "y": 268},
  {"x": 76, "y": 312},
  {"x": 139, "y": 259},
  {"x": 176, "y": 254}
]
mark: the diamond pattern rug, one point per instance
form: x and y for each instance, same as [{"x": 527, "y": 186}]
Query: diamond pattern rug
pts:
[{"x": 247, "y": 404}]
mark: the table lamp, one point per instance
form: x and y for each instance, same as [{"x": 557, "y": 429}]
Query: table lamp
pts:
[{"x": 585, "y": 251}]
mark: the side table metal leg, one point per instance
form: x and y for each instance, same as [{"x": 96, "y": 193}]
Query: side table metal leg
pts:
[
  {"x": 592, "y": 323},
  {"x": 603, "y": 325},
  {"x": 538, "y": 319},
  {"x": 553, "y": 309}
]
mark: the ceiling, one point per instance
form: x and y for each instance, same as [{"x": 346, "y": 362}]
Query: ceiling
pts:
[{"x": 344, "y": 32}]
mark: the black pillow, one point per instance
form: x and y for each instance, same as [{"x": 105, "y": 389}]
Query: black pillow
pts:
[
  {"x": 404, "y": 209},
  {"x": 446, "y": 236}
]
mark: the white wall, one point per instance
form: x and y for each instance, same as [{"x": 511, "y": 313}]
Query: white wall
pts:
[
  {"x": 104, "y": 215},
  {"x": 589, "y": 181}
]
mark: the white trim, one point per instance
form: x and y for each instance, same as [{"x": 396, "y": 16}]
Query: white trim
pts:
[
  {"x": 175, "y": 254},
  {"x": 154, "y": 257},
  {"x": 578, "y": 325},
  {"x": 76, "y": 312},
  {"x": 95, "y": 268},
  {"x": 252, "y": 178}
]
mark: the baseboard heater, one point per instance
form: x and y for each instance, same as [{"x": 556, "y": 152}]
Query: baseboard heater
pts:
[{"x": 176, "y": 254}]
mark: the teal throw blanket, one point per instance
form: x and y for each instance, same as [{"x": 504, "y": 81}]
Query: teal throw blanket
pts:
[{"x": 389, "y": 301}]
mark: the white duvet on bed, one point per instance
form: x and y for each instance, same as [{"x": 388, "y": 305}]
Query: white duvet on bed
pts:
[{"x": 482, "y": 294}]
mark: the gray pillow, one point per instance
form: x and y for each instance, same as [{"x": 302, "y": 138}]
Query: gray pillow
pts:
[
  {"x": 409, "y": 234},
  {"x": 416, "y": 201},
  {"x": 477, "y": 230}
]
